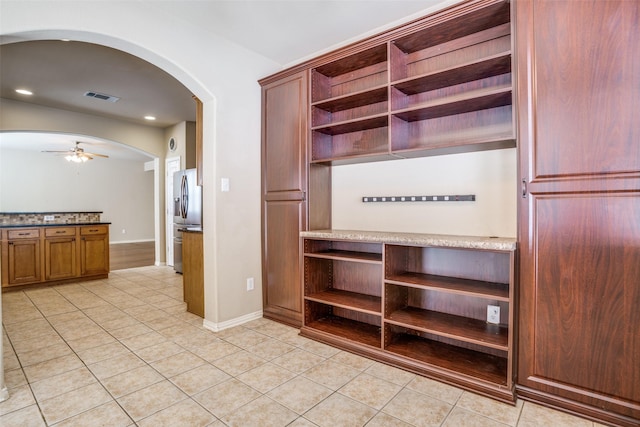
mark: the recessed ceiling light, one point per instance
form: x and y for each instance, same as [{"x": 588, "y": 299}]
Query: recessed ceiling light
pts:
[
  {"x": 24, "y": 92},
  {"x": 149, "y": 118}
]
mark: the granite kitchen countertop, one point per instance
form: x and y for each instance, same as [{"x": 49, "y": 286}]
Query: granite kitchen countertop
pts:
[
  {"x": 191, "y": 230},
  {"x": 418, "y": 239},
  {"x": 52, "y": 224}
]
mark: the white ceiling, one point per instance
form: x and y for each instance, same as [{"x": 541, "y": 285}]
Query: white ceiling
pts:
[
  {"x": 40, "y": 141},
  {"x": 285, "y": 31}
]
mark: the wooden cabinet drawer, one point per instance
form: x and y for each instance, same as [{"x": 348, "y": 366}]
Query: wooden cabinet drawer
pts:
[
  {"x": 24, "y": 234},
  {"x": 94, "y": 229},
  {"x": 60, "y": 231}
]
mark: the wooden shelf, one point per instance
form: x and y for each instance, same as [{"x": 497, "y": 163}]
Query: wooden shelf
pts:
[
  {"x": 456, "y": 327},
  {"x": 449, "y": 144},
  {"x": 354, "y": 62},
  {"x": 351, "y": 74},
  {"x": 476, "y": 288},
  {"x": 477, "y": 365},
  {"x": 363, "y": 333},
  {"x": 366, "y": 257},
  {"x": 357, "y": 158},
  {"x": 357, "y": 125},
  {"x": 349, "y": 300},
  {"x": 456, "y": 28},
  {"x": 358, "y": 99},
  {"x": 459, "y": 104},
  {"x": 475, "y": 70}
]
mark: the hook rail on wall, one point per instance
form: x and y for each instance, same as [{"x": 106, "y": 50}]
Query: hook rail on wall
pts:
[{"x": 451, "y": 198}]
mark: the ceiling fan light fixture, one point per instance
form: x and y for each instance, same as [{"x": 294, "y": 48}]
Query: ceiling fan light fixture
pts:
[
  {"x": 24, "y": 91},
  {"x": 77, "y": 158}
]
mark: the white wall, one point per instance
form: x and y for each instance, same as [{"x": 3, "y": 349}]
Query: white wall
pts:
[
  {"x": 22, "y": 116},
  {"x": 490, "y": 175},
  {"x": 121, "y": 189}
]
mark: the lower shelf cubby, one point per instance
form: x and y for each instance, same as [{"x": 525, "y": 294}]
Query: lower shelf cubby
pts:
[
  {"x": 460, "y": 317},
  {"x": 457, "y": 360},
  {"x": 360, "y": 327},
  {"x": 417, "y": 302}
]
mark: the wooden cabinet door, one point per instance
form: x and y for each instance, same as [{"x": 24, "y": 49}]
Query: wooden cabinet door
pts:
[
  {"x": 578, "y": 65},
  {"x": 284, "y": 185},
  {"x": 60, "y": 258},
  {"x": 282, "y": 294},
  {"x": 24, "y": 261},
  {"x": 193, "y": 272},
  {"x": 94, "y": 255}
]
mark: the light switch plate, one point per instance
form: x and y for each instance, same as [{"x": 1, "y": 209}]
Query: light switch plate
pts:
[{"x": 224, "y": 184}]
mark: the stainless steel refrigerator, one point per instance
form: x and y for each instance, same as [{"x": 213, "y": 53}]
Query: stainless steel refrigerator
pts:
[{"x": 187, "y": 210}]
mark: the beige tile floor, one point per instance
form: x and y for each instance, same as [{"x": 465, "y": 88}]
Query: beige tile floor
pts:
[{"x": 124, "y": 352}]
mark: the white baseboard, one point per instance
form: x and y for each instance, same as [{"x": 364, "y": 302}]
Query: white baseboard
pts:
[
  {"x": 4, "y": 394},
  {"x": 131, "y": 241},
  {"x": 217, "y": 327}
]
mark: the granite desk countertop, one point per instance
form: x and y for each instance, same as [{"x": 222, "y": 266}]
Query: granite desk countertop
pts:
[{"x": 419, "y": 239}]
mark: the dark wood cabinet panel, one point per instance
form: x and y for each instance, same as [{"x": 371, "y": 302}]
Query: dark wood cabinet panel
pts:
[
  {"x": 282, "y": 292},
  {"x": 587, "y": 79},
  {"x": 587, "y": 292},
  {"x": 284, "y": 194},
  {"x": 284, "y": 145},
  {"x": 578, "y": 67}
]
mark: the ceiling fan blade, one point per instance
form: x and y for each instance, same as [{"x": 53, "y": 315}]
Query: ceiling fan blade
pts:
[
  {"x": 56, "y": 151},
  {"x": 96, "y": 154}
]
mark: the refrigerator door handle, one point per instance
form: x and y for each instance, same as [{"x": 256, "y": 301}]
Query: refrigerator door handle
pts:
[{"x": 185, "y": 196}]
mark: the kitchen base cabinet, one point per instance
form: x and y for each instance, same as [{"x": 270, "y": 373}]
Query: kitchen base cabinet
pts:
[
  {"x": 21, "y": 255},
  {"x": 94, "y": 250},
  {"x": 193, "y": 272},
  {"x": 417, "y": 302},
  {"x": 53, "y": 254},
  {"x": 60, "y": 253}
]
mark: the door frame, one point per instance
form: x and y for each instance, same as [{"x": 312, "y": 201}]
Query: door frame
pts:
[{"x": 169, "y": 165}]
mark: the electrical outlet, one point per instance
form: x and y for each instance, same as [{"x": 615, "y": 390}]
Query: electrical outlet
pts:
[
  {"x": 124, "y": 231},
  {"x": 493, "y": 314},
  {"x": 48, "y": 218},
  {"x": 250, "y": 284}
]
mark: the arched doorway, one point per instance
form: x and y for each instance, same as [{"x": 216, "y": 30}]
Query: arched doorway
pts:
[{"x": 159, "y": 166}]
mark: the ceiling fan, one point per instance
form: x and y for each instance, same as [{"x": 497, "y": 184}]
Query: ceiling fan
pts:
[{"x": 77, "y": 154}]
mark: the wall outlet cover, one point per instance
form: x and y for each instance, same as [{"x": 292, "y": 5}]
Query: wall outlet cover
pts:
[{"x": 493, "y": 314}]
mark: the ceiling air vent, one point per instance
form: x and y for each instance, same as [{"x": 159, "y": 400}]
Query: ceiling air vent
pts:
[{"x": 102, "y": 96}]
